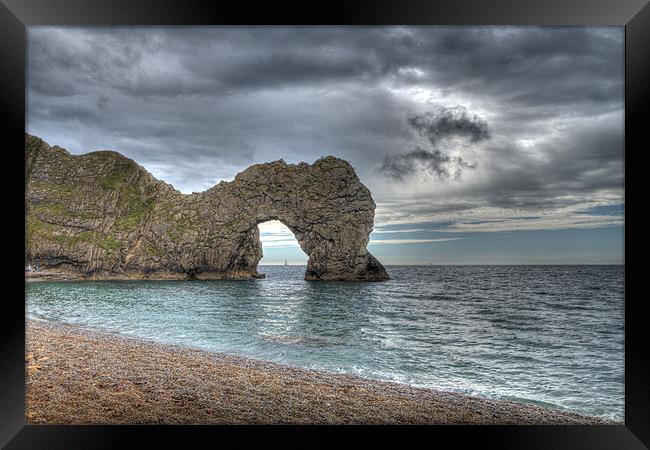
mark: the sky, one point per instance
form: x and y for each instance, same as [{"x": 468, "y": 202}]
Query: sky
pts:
[{"x": 480, "y": 145}]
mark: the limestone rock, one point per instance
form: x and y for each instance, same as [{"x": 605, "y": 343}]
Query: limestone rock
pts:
[{"x": 102, "y": 215}]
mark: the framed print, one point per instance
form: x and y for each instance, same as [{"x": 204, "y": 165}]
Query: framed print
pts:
[{"x": 341, "y": 220}]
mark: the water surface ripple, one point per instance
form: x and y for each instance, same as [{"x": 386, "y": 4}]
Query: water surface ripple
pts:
[{"x": 551, "y": 335}]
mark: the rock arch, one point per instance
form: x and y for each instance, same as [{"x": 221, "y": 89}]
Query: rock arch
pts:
[{"x": 102, "y": 215}]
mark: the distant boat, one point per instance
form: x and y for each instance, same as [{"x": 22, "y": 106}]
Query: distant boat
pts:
[{"x": 285, "y": 263}]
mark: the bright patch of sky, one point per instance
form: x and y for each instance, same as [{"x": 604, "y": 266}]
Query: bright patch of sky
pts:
[{"x": 280, "y": 245}]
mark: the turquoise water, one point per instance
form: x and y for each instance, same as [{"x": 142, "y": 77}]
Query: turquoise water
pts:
[{"x": 551, "y": 335}]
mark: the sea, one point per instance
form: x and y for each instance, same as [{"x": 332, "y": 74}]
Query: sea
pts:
[{"x": 548, "y": 335}]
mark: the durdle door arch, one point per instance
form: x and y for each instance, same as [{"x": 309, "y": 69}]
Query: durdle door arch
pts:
[{"x": 101, "y": 215}]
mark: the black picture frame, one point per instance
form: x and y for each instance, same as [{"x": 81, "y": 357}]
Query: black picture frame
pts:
[{"x": 15, "y": 15}]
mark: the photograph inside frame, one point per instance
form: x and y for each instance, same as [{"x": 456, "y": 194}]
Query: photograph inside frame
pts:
[{"x": 324, "y": 225}]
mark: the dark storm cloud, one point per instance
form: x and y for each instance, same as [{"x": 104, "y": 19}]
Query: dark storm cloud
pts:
[
  {"x": 529, "y": 65},
  {"x": 449, "y": 122},
  {"x": 569, "y": 175},
  {"x": 435, "y": 162},
  {"x": 438, "y": 125},
  {"x": 513, "y": 62},
  {"x": 197, "y": 104}
]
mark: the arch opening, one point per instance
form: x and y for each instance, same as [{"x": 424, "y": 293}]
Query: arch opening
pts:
[{"x": 280, "y": 246}]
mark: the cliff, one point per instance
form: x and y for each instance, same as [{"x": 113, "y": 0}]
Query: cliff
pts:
[{"x": 101, "y": 215}]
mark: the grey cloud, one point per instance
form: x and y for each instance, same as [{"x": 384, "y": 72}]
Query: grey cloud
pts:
[
  {"x": 570, "y": 63},
  {"x": 436, "y": 162},
  {"x": 198, "y": 104},
  {"x": 530, "y": 65},
  {"x": 449, "y": 122},
  {"x": 581, "y": 169},
  {"x": 438, "y": 125},
  {"x": 400, "y": 165}
]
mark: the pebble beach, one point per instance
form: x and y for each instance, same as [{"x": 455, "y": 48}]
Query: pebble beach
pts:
[{"x": 78, "y": 376}]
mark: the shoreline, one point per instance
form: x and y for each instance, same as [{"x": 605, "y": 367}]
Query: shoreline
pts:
[
  {"x": 49, "y": 275},
  {"x": 76, "y": 375}
]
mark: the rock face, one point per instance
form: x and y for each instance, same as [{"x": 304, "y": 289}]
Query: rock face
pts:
[{"x": 101, "y": 215}]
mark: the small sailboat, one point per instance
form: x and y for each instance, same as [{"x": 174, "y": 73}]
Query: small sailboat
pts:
[{"x": 285, "y": 263}]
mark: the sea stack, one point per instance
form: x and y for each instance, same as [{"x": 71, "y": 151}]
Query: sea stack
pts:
[{"x": 101, "y": 215}]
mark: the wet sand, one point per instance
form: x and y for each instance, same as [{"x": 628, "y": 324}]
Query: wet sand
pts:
[{"x": 78, "y": 376}]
